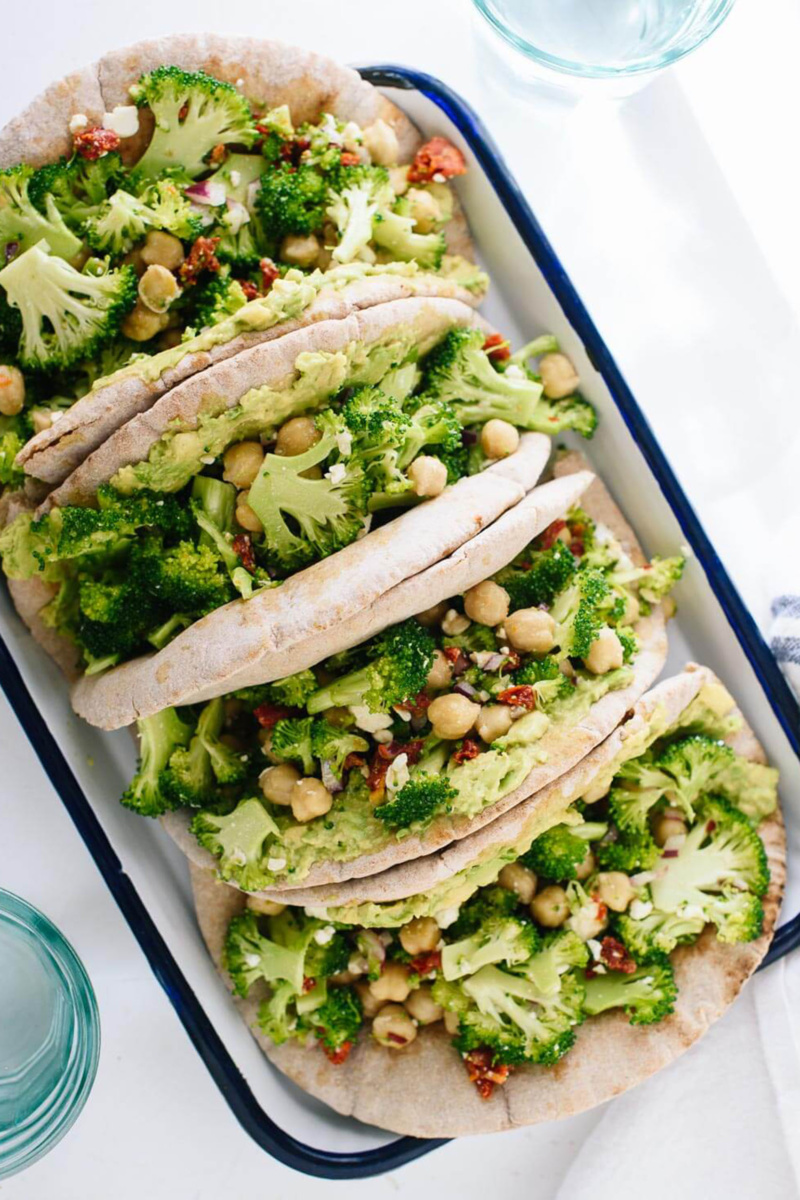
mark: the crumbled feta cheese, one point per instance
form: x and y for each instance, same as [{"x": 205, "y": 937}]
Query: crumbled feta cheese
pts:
[
  {"x": 599, "y": 969},
  {"x": 515, "y": 372},
  {"x": 639, "y": 909},
  {"x": 454, "y": 623},
  {"x": 251, "y": 960},
  {"x": 239, "y": 83},
  {"x": 316, "y": 911},
  {"x": 447, "y": 917},
  {"x": 276, "y": 864},
  {"x": 481, "y": 657},
  {"x": 357, "y": 964},
  {"x": 344, "y": 443},
  {"x": 235, "y": 178},
  {"x": 208, "y": 459},
  {"x": 352, "y": 136},
  {"x": 369, "y": 721},
  {"x": 323, "y": 936},
  {"x": 516, "y": 711},
  {"x": 124, "y": 120},
  {"x": 438, "y": 177},
  {"x": 402, "y": 713},
  {"x": 236, "y": 216},
  {"x": 328, "y": 126},
  {"x": 686, "y": 550},
  {"x": 336, "y": 473},
  {"x": 78, "y": 122},
  {"x": 384, "y": 736},
  {"x": 397, "y": 775},
  {"x": 594, "y": 947}
]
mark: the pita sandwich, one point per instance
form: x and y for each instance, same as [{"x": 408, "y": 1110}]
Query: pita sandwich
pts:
[
  {"x": 301, "y": 86},
  {"x": 635, "y": 1016}
]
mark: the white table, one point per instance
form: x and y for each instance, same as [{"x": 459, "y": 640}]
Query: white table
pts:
[{"x": 679, "y": 203}]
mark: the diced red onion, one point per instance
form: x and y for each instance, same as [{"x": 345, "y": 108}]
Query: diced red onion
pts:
[
  {"x": 207, "y": 192},
  {"x": 465, "y": 689},
  {"x": 329, "y": 779},
  {"x": 670, "y": 854},
  {"x": 494, "y": 663},
  {"x": 12, "y": 250},
  {"x": 469, "y": 437}
]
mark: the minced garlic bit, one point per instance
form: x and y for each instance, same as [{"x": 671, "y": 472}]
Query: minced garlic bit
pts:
[
  {"x": 123, "y": 120},
  {"x": 78, "y": 122}
]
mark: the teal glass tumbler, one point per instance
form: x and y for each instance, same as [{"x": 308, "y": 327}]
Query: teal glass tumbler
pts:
[{"x": 49, "y": 1035}]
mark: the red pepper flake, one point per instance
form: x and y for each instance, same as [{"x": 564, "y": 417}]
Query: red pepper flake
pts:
[
  {"x": 242, "y": 546},
  {"x": 218, "y": 154},
  {"x": 201, "y": 257},
  {"x": 249, "y": 288},
  {"x": 337, "y": 1057},
  {"x": 268, "y": 715},
  {"x": 466, "y": 751},
  {"x": 523, "y": 696},
  {"x": 436, "y": 157},
  {"x": 616, "y": 957},
  {"x": 483, "y": 1073},
  {"x": 95, "y": 142},
  {"x": 550, "y": 535},
  {"x": 426, "y": 964},
  {"x": 309, "y": 983},
  {"x": 457, "y": 659},
  {"x": 349, "y": 159},
  {"x": 269, "y": 273},
  {"x": 496, "y": 347}
]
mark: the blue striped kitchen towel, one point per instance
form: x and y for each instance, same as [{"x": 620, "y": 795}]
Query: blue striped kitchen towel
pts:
[{"x": 784, "y": 637}]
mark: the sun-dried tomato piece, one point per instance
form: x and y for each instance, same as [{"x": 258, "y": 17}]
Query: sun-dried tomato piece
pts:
[
  {"x": 242, "y": 546},
  {"x": 550, "y": 535},
  {"x": 418, "y": 706},
  {"x": 483, "y": 1073},
  {"x": 523, "y": 696},
  {"x": 436, "y": 157},
  {"x": 457, "y": 659},
  {"x": 384, "y": 756},
  {"x": 349, "y": 159},
  {"x": 616, "y": 957},
  {"x": 309, "y": 983},
  {"x": 577, "y": 547},
  {"x": 292, "y": 152},
  {"x": 337, "y": 1057},
  {"x": 268, "y": 715},
  {"x": 426, "y": 964},
  {"x": 95, "y": 142},
  {"x": 269, "y": 273},
  {"x": 497, "y": 347},
  {"x": 249, "y": 288},
  {"x": 353, "y": 760},
  {"x": 467, "y": 750},
  {"x": 201, "y": 257}
]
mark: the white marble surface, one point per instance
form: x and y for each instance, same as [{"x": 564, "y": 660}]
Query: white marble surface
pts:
[{"x": 679, "y": 203}]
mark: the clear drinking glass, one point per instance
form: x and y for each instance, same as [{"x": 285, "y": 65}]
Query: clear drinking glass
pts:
[
  {"x": 604, "y": 39},
  {"x": 49, "y": 1035}
]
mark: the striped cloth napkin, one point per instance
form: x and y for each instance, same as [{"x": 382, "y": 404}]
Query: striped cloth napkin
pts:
[{"x": 784, "y": 637}]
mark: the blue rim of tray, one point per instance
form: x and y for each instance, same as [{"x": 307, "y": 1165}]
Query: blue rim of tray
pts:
[{"x": 276, "y": 1141}]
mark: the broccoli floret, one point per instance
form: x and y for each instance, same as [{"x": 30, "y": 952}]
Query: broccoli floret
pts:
[
  {"x": 11, "y": 442},
  {"x": 125, "y": 219},
  {"x": 226, "y": 763},
  {"x": 419, "y": 800},
  {"x": 277, "y": 1017},
  {"x": 113, "y": 619},
  {"x": 559, "y": 952},
  {"x": 580, "y": 614},
  {"x": 329, "y": 958},
  {"x": 549, "y": 573},
  {"x": 291, "y": 742},
  {"x": 212, "y": 505},
  {"x": 66, "y": 314},
  {"x": 250, "y": 956},
  {"x": 353, "y": 209},
  {"x": 647, "y": 994},
  {"x": 653, "y": 581},
  {"x": 188, "y": 778},
  {"x": 159, "y": 736},
  {"x": 558, "y": 852},
  {"x": 394, "y": 232},
  {"x": 336, "y": 1022},
  {"x": 221, "y": 297},
  {"x": 294, "y": 690},
  {"x": 333, "y": 746},
  {"x": 185, "y": 578},
  {"x": 237, "y": 841},
  {"x": 22, "y": 225},
  {"x": 546, "y": 343},
  {"x": 694, "y": 763},
  {"x": 432, "y": 424},
  {"x": 329, "y": 513},
  {"x": 510, "y": 1016},
  {"x": 557, "y": 416},
  {"x": 547, "y": 680},
  {"x": 487, "y": 904},
  {"x": 632, "y": 850},
  {"x": 459, "y": 372},
  {"x": 400, "y": 661},
  {"x": 193, "y": 113},
  {"x": 77, "y": 186},
  {"x": 499, "y": 939},
  {"x": 291, "y": 200}
]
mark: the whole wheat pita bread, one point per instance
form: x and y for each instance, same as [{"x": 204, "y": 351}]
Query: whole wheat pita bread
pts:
[
  {"x": 562, "y": 746},
  {"x": 268, "y": 364},
  {"x": 270, "y": 74},
  {"x": 393, "y": 1090}
]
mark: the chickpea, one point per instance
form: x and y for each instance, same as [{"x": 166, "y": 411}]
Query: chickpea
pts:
[
  {"x": 264, "y": 908},
  {"x": 310, "y": 799},
  {"x": 419, "y": 936},
  {"x": 531, "y": 629},
  {"x": 393, "y": 1027},
  {"x": 606, "y": 653},
  {"x": 452, "y": 716},
  {"x": 668, "y": 827},
  {"x": 451, "y": 1022},
  {"x": 300, "y": 251},
  {"x": 595, "y": 792},
  {"x": 161, "y": 250},
  {"x": 141, "y": 324},
  {"x": 41, "y": 419},
  {"x": 265, "y": 742},
  {"x": 487, "y": 603},
  {"x": 549, "y": 907},
  {"x": 278, "y": 782},
  {"x": 245, "y": 515},
  {"x": 381, "y": 142},
  {"x": 158, "y": 287},
  {"x": 614, "y": 889},
  {"x": 441, "y": 673},
  {"x": 392, "y": 983},
  {"x": 135, "y": 259},
  {"x": 494, "y": 721},
  {"x": 422, "y": 1006},
  {"x": 633, "y": 609},
  {"x": 241, "y": 463},
  {"x": 169, "y": 339},
  {"x": 518, "y": 879},
  {"x": 12, "y": 391},
  {"x": 398, "y": 180},
  {"x": 296, "y": 436},
  {"x": 499, "y": 438},
  {"x": 433, "y": 616},
  {"x": 586, "y": 867},
  {"x": 559, "y": 377},
  {"x": 454, "y": 622},
  {"x": 369, "y": 1004},
  {"x": 424, "y": 208},
  {"x": 428, "y": 475}
]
